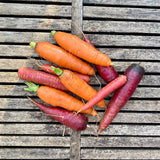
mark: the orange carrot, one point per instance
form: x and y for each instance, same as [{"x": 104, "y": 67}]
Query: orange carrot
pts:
[
  {"x": 59, "y": 98},
  {"x": 47, "y": 68},
  {"x": 61, "y": 57},
  {"x": 76, "y": 85},
  {"x": 81, "y": 49}
]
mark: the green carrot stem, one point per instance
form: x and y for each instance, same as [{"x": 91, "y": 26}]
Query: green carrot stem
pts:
[
  {"x": 31, "y": 87},
  {"x": 57, "y": 71},
  {"x": 32, "y": 44},
  {"x": 53, "y": 32}
]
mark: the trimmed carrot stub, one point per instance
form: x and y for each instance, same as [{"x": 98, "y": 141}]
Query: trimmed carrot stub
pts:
[
  {"x": 108, "y": 73},
  {"x": 134, "y": 74},
  {"x": 80, "y": 48},
  {"x": 47, "y": 68},
  {"x": 40, "y": 78},
  {"x": 77, "y": 122},
  {"x": 61, "y": 57},
  {"x": 76, "y": 85},
  {"x": 59, "y": 98},
  {"x": 109, "y": 88}
]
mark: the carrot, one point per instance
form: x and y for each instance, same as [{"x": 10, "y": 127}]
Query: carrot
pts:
[
  {"x": 47, "y": 68},
  {"x": 112, "y": 86},
  {"x": 77, "y": 122},
  {"x": 59, "y": 98},
  {"x": 76, "y": 85},
  {"x": 80, "y": 48},
  {"x": 134, "y": 74},
  {"x": 108, "y": 73},
  {"x": 61, "y": 57},
  {"x": 40, "y": 78}
]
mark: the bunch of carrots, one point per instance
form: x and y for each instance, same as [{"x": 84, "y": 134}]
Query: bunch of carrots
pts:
[{"x": 75, "y": 59}]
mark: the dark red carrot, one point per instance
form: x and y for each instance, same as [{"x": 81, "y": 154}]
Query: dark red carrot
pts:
[
  {"x": 47, "y": 68},
  {"x": 134, "y": 74},
  {"x": 108, "y": 73},
  {"x": 109, "y": 88},
  {"x": 77, "y": 122},
  {"x": 40, "y": 78}
]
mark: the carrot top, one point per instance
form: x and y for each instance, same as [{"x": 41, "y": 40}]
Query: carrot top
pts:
[
  {"x": 31, "y": 87},
  {"x": 57, "y": 71}
]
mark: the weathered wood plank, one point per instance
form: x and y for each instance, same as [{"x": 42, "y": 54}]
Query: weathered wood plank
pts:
[
  {"x": 119, "y": 154},
  {"x": 13, "y": 90},
  {"x": 109, "y": 2},
  {"x": 100, "y": 40},
  {"x": 124, "y": 2},
  {"x": 121, "y": 13},
  {"x": 12, "y": 77},
  {"x": 52, "y": 129},
  {"x": 43, "y": 141},
  {"x": 35, "y": 9},
  {"x": 132, "y": 130},
  {"x": 132, "y": 105},
  {"x": 120, "y": 142},
  {"x": 121, "y": 26},
  {"x": 116, "y": 53},
  {"x": 88, "y": 25},
  {"x": 119, "y": 66},
  {"x": 38, "y": 116},
  {"x": 35, "y": 23},
  {"x": 25, "y": 37},
  {"x": 34, "y": 153},
  {"x": 124, "y": 40},
  {"x": 89, "y": 11}
]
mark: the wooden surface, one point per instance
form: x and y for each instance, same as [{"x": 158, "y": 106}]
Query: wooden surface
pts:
[{"x": 128, "y": 31}]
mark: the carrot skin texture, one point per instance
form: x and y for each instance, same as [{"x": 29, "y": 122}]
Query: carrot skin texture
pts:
[
  {"x": 80, "y": 48},
  {"x": 79, "y": 87},
  {"x": 59, "y": 98},
  {"x": 40, "y": 78},
  {"x": 77, "y": 122},
  {"x": 134, "y": 74},
  {"x": 62, "y": 58},
  {"x": 47, "y": 68},
  {"x": 108, "y": 73},
  {"x": 109, "y": 88}
]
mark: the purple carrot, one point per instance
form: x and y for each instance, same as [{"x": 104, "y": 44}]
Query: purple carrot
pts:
[{"x": 75, "y": 121}]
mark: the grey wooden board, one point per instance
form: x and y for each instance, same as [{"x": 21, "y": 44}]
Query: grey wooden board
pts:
[
  {"x": 35, "y": 9},
  {"x": 141, "y": 92},
  {"x": 108, "y": 2},
  {"x": 35, "y": 23},
  {"x": 101, "y": 40},
  {"x": 120, "y": 142},
  {"x": 35, "y": 153},
  {"x": 132, "y": 105},
  {"x": 56, "y": 129},
  {"x": 121, "y": 13},
  {"x": 119, "y": 154},
  {"x": 116, "y": 53},
  {"x": 121, "y": 26},
  {"x": 88, "y": 25},
  {"x": 12, "y": 77},
  {"x": 94, "y": 142},
  {"x": 38, "y": 116},
  {"x": 43, "y": 141},
  {"x": 89, "y": 11}
]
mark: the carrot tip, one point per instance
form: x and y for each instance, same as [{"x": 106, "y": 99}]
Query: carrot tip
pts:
[
  {"x": 32, "y": 44},
  {"x": 53, "y": 33}
]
